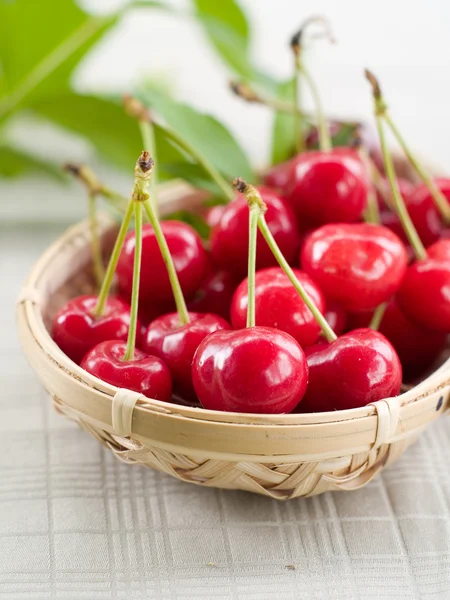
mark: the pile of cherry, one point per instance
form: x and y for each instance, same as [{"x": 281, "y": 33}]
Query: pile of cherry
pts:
[{"x": 307, "y": 297}]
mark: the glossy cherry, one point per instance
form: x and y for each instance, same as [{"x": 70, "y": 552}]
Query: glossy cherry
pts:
[
  {"x": 405, "y": 188},
  {"x": 189, "y": 256},
  {"x": 357, "y": 265},
  {"x": 336, "y": 317},
  {"x": 77, "y": 330},
  {"x": 358, "y": 368},
  {"x": 328, "y": 187},
  {"x": 229, "y": 239},
  {"x": 145, "y": 374},
  {"x": 176, "y": 344},
  {"x": 214, "y": 214},
  {"x": 253, "y": 370},
  {"x": 425, "y": 292},
  {"x": 416, "y": 347},
  {"x": 215, "y": 294},
  {"x": 423, "y": 211},
  {"x": 278, "y": 304}
]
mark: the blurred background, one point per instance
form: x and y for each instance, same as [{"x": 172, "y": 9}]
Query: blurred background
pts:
[{"x": 64, "y": 66}]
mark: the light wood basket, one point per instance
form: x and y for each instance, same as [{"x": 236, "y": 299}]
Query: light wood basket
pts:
[{"x": 281, "y": 456}]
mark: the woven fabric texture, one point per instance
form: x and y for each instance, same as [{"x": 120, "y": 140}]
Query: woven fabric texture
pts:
[{"x": 76, "y": 523}]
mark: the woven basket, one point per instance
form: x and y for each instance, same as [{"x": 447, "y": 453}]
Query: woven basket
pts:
[{"x": 281, "y": 456}]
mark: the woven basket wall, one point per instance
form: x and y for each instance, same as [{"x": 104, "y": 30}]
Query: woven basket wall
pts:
[{"x": 282, "y": 456}]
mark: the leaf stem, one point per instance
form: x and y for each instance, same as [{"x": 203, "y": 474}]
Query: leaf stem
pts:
[
  {"x": 377, "y": 317},
  {"x": 180, "y": 302},
  {"x": 131, "y": 340},
  {"x": 99, "y": 270}
]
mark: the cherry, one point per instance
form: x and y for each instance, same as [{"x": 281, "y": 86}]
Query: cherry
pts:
[
  {"x": 358, "y": 368},
  {"x": 229, "y": 239},
  {"x": 425, "y": 291},
  {"x": 214, "y": 214},
  {"x": 423, "y": 211},
  {"x": 189, "y": 257},
  {"x": 336, "y": 317},
  {"x": 257, "y": 370},
  {"x": 278, "y": 304},
  {"x": 176, "y": 343},
  {"x": 358, "y": 265},
  {"x": 416, "y": 347},
  {"x": 405, "y": 188},
  {"x": 76, "y": 329},
  {"x": 215, "y": 294},
  {"x": 145, "y": 374}
]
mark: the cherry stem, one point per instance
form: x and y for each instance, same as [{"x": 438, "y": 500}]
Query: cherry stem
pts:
[
  {"x": 113, "y": 260},
  {"x": 249, "y": 94},
  {"x": 372, "y": 211},
  {"x": 300, "y": 70},
  {"x": 253, "y": 197},
  {"x": 377, "y": 316},
  {"x": 180, "y": 302},
  {"x": 131, "y": 340},
  {"x": 400, "y": 207},
  {"x": 439, "y": 199},
  {"x": 99, "y": 269},
  {"x": 136, "y": 109},
  {"x": 95, "y": 187}
]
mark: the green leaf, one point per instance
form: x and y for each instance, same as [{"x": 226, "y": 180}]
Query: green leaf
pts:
[
  {"x": 203, "y": 131},
  {"x": 283, "y": 131},
  {"x": 37, "y": 65},
  {"x": 193, "y": 174},
  {"x": 105, "y": 125},
  {"x": 194, "y": 220},
  {"x": 15, "y": 161}
]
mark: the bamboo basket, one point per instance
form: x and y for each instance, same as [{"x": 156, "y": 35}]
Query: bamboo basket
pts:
[{"x": 281, "y": 456}]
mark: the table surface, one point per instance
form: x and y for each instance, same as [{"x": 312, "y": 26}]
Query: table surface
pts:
[{"x": 76, "y": 523}]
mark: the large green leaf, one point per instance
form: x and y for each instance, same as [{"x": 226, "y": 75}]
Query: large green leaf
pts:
[
  {"x": 105, "y": 125},
  {"x": 284, "y": 134},
  {"x": 15, "y": 161},
  {"x": 203, "y": 131},
  {"x": 40, "y": 45}
]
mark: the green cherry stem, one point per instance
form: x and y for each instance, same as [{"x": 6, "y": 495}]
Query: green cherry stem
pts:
[
  {"x": 400, "y": 207},
  {"x": 131, "y": 340},
  {"x": 297, "y": 49},
  {"x": 377, "y": 317},
  {"x": 180, "y": 302},
  {"x": 99, "y": 269},
  {"x": 252, "y": 196},
  {"x": 372, "y": 211},
  {"x": 245, "y": 91}
]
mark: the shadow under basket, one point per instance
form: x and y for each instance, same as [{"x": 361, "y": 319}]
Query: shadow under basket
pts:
[{"x": 281, "y": 456}]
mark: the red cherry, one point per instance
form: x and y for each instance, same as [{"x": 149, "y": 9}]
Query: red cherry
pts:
[
  {"x": 145, "y": 374},
  {"x": 280, "y": 176},
  {"x": 423, "y": 211},
  {"x": 214, "y": 214},
  {"x": 358, "y": 368},
  {"x": 189, "y": 256},
  {"x": 278, "y": 304},
  {"x": 416, "y": 347},
  {"x": 215, "y": 295},
  {"x": 229, "y": 239},
  {"x": 176, "y": 344},
  {"x": 336, "y": 317},
  {"x": 76, "y": 330},
  {"x": 328, "y": 187},
  {"x": 405, "y": 188},
  {"x": 254, "y": 370},
  {"x": 424, "y": 296},
  {"x": 357, "y": 265}
]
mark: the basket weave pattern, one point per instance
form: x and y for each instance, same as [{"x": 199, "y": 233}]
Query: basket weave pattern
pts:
[{"x": 281, "y": 456}]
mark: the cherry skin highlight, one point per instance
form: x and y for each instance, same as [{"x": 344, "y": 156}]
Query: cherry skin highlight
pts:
[
  {"x": 189, "y": 256},
  {"x": 357, "y": 265},
  {"x": 358, "y": 368},
  {"x": 424, "y": 296},
  {"x": 254, "y": 370},
  {"x": 278, "y": 304},
  {"x": 229, "y": 239},
  {"x": 328, "y": 187},
  {"x": 77, "y": 330},
  {"x": 145, "y": 374},
  {"x": 176, "y": 344}
]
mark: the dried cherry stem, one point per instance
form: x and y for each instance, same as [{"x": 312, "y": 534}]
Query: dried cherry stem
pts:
[
  {"x": 139, "y": 194},
  {"x": 301, "y": 70},
  {"x": 439, "y": 199},
  {"x": 136, "y": 109},
  {"x": 253, "y": 197},
  {"x": 377, "y": 316},
  {"x": 245, "y": 91},
  {"x": 180, "y": 302},
  {"x": 400, "y": 207}
]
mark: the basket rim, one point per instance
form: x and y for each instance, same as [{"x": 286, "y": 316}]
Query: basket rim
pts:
[{"x": 29, "y": 315}]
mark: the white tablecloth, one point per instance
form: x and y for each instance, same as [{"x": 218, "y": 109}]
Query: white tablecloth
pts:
[{"x": 75, "y": 523}]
